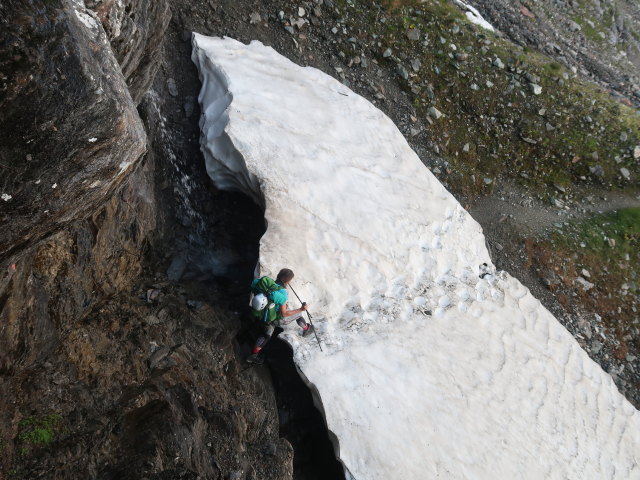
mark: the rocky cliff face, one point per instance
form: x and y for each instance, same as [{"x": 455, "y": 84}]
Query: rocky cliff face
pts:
[
  {"x": 71, "y": 132},
  {"x": 108, "y": 369}
]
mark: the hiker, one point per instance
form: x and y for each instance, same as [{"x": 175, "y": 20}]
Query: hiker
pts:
[{"x": 269, "y": 305}]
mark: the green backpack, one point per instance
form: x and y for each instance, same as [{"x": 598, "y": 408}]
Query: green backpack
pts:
[{"x": 267, "y": 311}]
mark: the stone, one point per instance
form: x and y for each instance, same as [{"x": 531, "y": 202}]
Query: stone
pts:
[
  {"x": 416, "y": 64},
  {"x": 387, "y": 53},
  {"x": 596, "y": 347},
  {"x": 402, "y": 71},
  {"x": 586, "y": 286},
  {"x": 636, "y": 152},
  {"x": 172, "y": 87},
  {"x": 465, "y": 148},
  {"x": 489, "y": 84},
  {"x": 535, "y": 88},
  {"x": 474, "y": 87},
  {"x": 498, "y": 63},
  {"x": 255, "y": 18},
  {"x": 413, "y": 34},
  {"x": 434, "y": 113},
  {"x": 301, "y": 12},
  {"x": 430, "y": 93},
  {"x": 585, "y": 273},
  {"x": 574, "y": 27},
  {"x": 623, "y": 137},
  {"x": 597, "y": 170},
  {"x": 625, "y": 173}
]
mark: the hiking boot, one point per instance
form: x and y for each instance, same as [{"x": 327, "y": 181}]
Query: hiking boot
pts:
[
  {"x": 308, "y": 331},
  {"x": 255, "y": 358}
]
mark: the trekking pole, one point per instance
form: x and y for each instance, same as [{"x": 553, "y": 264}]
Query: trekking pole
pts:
[{"x": 309, "y": 315}]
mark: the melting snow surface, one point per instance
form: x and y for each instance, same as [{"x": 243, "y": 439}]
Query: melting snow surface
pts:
[
  {"x": 428, "y": 371},
  {"x": 473, "y": 15}
]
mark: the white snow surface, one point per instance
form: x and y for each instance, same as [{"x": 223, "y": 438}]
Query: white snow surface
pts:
[
  {"x": 488, "y": 386},
  {"x": 473, "y": 15}
]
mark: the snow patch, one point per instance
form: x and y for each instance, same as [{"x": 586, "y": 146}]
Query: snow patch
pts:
[
  {"x": 473, "y": 15},
  {"x": 490, "y": 385}
]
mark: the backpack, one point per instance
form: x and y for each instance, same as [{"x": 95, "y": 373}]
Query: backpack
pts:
[{"x": 266, "y": 286}]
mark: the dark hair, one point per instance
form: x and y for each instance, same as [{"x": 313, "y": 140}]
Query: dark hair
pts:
[{"x": 285, "y": 275}]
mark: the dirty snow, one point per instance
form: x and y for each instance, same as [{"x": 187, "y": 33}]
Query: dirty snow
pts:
[{"x": 428, "y": 371}]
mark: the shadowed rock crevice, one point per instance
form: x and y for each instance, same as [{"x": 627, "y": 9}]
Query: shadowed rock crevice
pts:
[{"x": 301, "y": 423}]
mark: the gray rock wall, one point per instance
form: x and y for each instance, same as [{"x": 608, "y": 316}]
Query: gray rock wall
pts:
[{"x": 107, "y": 370}]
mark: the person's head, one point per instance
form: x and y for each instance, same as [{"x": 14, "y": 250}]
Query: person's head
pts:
[{"x": 284, "y": 276}]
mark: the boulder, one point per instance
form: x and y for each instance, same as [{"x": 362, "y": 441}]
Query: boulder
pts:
[{"x": 70, "y": 129}]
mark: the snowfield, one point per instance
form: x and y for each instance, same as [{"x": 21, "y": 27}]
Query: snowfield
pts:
[{"x": 428, "y": 371}]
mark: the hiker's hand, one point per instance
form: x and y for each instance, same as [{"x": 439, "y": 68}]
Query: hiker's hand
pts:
[{"x": 304, "y": 306}]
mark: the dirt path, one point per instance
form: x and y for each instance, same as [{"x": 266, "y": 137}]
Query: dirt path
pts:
[{"x": 531, "y": 216}]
